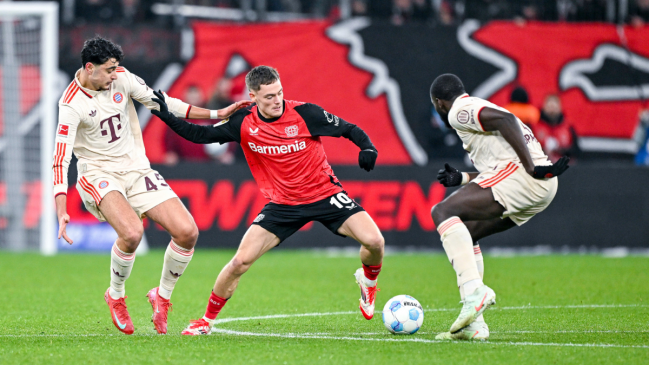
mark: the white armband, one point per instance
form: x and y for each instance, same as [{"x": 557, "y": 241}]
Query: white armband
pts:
[
  {"x": 465, "y": 178},
  {"x": 214, "y": 114}
]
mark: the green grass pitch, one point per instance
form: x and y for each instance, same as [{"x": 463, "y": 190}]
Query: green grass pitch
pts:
[{"x": 551, "y": 309}]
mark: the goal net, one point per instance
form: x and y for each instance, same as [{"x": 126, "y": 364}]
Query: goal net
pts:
[{"x": 28, "y": 113}]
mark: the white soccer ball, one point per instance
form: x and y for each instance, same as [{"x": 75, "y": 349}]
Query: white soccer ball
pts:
[{"x": 403, "y": 315}]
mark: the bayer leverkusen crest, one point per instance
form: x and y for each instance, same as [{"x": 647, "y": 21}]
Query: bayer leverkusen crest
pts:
[{"x": 291, "y": 131}]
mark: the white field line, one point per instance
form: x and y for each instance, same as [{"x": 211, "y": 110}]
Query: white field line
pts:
[
  {"x": 273, "y": 316},
  {"x": 400, "y": 339},
  {"x": 420, "y": 340}
]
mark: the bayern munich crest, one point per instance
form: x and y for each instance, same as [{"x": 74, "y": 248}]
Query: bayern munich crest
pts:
[
  {"x": 103, "y": 184},
  {"x": 291, "y": 131},
  {"x": 463, "y": 117},
  {"x": 118, "y": 97}
]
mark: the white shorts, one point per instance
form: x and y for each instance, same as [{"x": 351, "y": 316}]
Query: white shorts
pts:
[
  {"x": 520, "y": 194},
  {"x": 143, "y": 189}
]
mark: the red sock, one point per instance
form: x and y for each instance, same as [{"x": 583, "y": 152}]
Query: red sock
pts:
[
  {"x": 214, "y": 306},
  {"x": 372, "y": 271}
]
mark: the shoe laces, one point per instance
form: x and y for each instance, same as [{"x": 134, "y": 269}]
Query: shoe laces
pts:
[
  {"x": 119, "y": 306},
  {"x": 195, "y": 323},
  {"x": 371, "y": 293}
]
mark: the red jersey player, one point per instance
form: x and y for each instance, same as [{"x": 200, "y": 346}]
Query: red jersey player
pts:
[{"x": 281, "y": 142}]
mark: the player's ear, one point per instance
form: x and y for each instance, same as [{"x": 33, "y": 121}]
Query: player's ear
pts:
[{"x": 90, "y": 67}]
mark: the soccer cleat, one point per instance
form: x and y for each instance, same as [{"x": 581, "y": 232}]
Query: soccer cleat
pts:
[
  {"x": 368, "y": 295},
  {"x": 474, "y": 305},
  {"x": 119, "y": 314},
  {"x": 198, "y": 327},
  {"x": 474, "y": 331},
  {"x": 160, "y": 310}
]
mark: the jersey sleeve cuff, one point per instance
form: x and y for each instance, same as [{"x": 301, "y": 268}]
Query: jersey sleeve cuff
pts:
[
  {"x": 60, "y": 189},
  {"x": 178, "y": 108}
]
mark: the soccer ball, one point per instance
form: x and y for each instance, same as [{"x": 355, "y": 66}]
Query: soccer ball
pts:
[{"x": 403, "y": 315}]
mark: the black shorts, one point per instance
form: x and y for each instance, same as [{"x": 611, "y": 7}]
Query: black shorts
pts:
[{"x": 284, "y": 220}]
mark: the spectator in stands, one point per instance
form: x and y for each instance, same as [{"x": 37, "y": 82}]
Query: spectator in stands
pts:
[
  {"x": 98, "y": 10},
  {"x": 588, "y": 11},
  {"x": 519, "y": 105},
  {"x": 557, "y": 137},
  {"x": 641, "y": 136},
  {"x": 446, "y": 12},
  {"x": 639, "y": 13},
  {"x": 359, "y": 8},
  {"x": 178, "y": 148},
  {"x": 486, "y": 10},
  {"x": 531, "y": 10}
]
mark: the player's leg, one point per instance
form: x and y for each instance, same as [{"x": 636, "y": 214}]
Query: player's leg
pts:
[
  {"x": 172, "y": 215},
  {"x": 254, "y": 244},
  {"x": 119, "y": 214},
  {"x": 469, "y": 203},
  {"x": 361, "y": 227}
]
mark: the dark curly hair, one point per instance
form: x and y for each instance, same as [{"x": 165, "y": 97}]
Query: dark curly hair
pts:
[
  {"x": 261, "y": 75},
  {"x": 446, "y": 87},
  {"x": 98, "y": 50}
]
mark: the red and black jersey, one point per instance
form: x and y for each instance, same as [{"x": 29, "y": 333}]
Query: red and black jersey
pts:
[{"x": 285, "y": 154}]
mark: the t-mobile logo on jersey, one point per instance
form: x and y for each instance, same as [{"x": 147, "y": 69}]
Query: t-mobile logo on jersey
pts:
[
  {"x": 112, "y": 127},
  {"x": 275, "y": 150}
]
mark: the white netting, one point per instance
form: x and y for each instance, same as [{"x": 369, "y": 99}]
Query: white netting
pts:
[{"x": 21, "y": 131}]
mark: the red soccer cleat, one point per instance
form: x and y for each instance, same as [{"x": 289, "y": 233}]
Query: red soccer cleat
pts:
[
  {"x": 160, "y": 308},
  {"x": 197, "y": 328},
  {"x": 368, "y": 295},
  {"x": 119, "y": 314}
]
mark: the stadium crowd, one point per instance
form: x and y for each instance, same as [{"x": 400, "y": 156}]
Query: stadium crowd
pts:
[{"x": 635, "y": 12}]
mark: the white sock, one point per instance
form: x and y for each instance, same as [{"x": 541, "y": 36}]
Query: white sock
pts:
[
  {"x": 480, "y": 262},
  {"x": 458, "y": 245},
  {"x": 175, "y": 263},
  {"x": 471, "y": 285},
  {"x": 121, "y": 264}
]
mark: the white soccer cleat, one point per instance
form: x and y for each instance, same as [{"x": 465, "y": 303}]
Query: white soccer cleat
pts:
[
  {"x": 474, "y": 331},
  {"x": 368, "y": 294},
  {"x": 197, "y": 328},
  {"x": 474, "y": 305}
]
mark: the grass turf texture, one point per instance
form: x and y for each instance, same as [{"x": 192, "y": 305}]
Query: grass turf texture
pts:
[{"x": 52, "y": 311}]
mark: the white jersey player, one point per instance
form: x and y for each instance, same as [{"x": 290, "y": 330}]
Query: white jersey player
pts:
[
  {"x": 98, "y": 122},
  {"x": 515, "y": 181}
]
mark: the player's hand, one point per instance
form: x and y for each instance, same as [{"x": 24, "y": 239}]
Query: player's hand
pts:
[
  {"x": 449, "y": 176},
  {"x": 63, "y": 222},
  {"x": 163, "y": 113},
  {"x": 546, "y": 172},
  {"x": 367, "y": 159},
  {"x": 229, "y": 110}
]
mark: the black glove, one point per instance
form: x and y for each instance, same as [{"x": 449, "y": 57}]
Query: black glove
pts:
[
  {"x": 449, "y": 176},
  {"x": 546, "y": 172},
  {"x": 367, "y": 159},
  {"x": 163, "y": 113}
]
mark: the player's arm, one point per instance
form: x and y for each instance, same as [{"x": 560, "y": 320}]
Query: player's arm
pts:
[
  {"x": 509, "y": 127},
  {"x": 321, "y": 123},
  {"x": 145, "y": 95},
  {"x": 65, "y": 134},
  {"x": 450, "y": 176},
  {"x": 192, "y": 132}
]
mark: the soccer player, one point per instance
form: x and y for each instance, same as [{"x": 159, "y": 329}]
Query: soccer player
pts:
[
  {"x": 516, "y": 180},
  {"x": 98, "y": 122},
  {"x": 281, "y": 141}
]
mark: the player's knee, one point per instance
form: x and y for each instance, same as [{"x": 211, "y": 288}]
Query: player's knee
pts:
[
  {"x": 239, "y": 266},
  {"x": 187, "y": 236},
  {"x": 439, "y": 213},
  {"x": 132, "y": 237},
  {"x": 376, "y": 242}
]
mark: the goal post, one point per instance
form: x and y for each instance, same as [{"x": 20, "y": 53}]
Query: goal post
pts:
[{"x": 28, "y": 69}]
